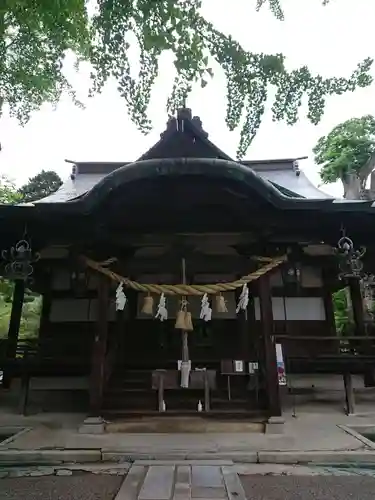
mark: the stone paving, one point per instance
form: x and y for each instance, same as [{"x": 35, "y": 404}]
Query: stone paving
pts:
[
  {"x": 181, "y": 481},
  {"x": 76, "y": 487}
]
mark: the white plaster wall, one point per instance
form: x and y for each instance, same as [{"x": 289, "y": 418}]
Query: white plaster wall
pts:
[
  {"x": 296, "y": 308},
  {"x": 77, "y": 310},
  {"x": 61, "y": 280}
]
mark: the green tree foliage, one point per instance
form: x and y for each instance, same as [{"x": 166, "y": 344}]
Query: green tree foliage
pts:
[
  {"x": 35, "y": 36},
  {"x": 8, "y": 191},
  {"x": 178, "y": 26},
  {"x": 340, "y": 309},
  {"x": 40, "y": 186},
  {"x": 34, "y": 39},
  {"x": 348, "y": 149}
]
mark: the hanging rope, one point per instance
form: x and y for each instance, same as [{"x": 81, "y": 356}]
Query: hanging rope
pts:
[{"x": 183, "y": 289}]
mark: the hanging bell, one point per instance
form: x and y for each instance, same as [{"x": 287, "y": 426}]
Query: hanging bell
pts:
[
  {"x": 221, "y": 304},
  {"x": 188, "y": 322},
  {"x": 180, "y": 320},
  {"x": 148, "y": 305}
]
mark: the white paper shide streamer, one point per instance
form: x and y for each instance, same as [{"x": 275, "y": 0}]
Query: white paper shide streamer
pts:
[
  {"x": 243, "y": 300},
  {"x": 120, "y": 298},
  {"x": 206, "y": 310},
  {"x": 162, "y": 312}
]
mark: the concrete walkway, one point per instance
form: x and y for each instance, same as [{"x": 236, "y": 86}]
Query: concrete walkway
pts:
[
  {"x": 181, "y": 481},
  {"x": 312, "y": 432},
  {"x": 307, "y": 432}
]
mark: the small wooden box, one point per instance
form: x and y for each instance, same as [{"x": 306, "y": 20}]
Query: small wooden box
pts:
[
  {"x": 170, "y": 379},
  {"x": 197, "y": 379}
]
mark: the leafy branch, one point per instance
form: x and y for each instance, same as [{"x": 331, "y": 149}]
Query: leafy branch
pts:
[{"x": 36, "y": 36}]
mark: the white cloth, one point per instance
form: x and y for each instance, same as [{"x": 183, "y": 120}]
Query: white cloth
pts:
[{"x": 185, "y": 374}]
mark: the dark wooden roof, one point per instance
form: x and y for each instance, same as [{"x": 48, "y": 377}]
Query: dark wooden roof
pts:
[
  {"x": 184, "y": 137},
  {"x": 269, "y": 195}
]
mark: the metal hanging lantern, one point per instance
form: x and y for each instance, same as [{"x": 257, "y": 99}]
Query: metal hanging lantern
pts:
[
  {"x": 350, "y": 259},
  {"x": 18, "y": 261}
]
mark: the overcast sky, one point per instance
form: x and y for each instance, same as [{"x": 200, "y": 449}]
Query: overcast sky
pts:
[{"x": 331, "y": 40}]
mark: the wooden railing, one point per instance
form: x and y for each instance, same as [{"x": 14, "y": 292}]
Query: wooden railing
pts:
[
  {"x": 44, "y": 357},
  {"x": 327, "y": 354}
]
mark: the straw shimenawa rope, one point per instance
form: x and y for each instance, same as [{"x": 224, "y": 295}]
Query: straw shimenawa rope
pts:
[{"x": 182, "y": 289}]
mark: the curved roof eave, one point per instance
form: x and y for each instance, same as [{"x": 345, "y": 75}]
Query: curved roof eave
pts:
[{"x": 211, "y": 167}]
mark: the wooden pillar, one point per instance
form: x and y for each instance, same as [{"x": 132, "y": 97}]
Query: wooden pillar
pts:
[
  {"x": 328, "y": 305},
  {"x": 349, "y": 393},
  {"x": 357, "y": 306},
  {"x": 14, "y": 325},
  {"x": 360, "y": 326},
  {"x": 99, "y": 347},
  {"x": 266, "y": 316},
  {"x": 44, "y": 324}
]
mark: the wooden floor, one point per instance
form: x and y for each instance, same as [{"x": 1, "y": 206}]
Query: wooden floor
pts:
[{"x": 181, "y": 481}]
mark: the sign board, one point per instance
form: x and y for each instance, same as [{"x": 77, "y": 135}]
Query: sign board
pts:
[
  {"x": 238, "y": 366},
  {"x": 280, "y": 364},
  {"x": 253, "y": 367}
]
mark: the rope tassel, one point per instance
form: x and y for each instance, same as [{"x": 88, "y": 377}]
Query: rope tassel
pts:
[
  {"x": 180, "y": 320},
  {"x": 148, "y": 305},
  {"x": 221, "y": 304},
  {"x": 183, "y": 318}
]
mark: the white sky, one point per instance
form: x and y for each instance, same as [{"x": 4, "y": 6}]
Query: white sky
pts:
[{"x": 330, "y": 40}]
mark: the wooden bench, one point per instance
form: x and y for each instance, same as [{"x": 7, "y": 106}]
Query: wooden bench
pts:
[{"x": 169, "y": 380}]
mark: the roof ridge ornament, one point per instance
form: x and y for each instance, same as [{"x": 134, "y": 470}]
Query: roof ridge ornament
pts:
[
  {"x": 296, "y": 168},
  {"x": 73, "y": 174}
]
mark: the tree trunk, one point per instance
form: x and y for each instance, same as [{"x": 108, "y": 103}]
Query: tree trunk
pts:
[{"x": 352, "y": 187}]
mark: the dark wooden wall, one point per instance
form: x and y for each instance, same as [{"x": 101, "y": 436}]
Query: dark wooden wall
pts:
[{"x": 152, "y": 343}]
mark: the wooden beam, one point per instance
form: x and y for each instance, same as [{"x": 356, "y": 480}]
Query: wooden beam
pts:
[
  {"x": 197, "y": 263},
  {"x": 99, "y": 347},
  {"x": 266, "y": 313},
  {"x": 14, "y": 325}
]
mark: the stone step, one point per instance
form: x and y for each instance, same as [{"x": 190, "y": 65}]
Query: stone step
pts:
[{"x": 175, "y": 481}]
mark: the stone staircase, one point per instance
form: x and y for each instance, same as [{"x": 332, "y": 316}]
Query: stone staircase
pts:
[{"x": 165, "y": 480}]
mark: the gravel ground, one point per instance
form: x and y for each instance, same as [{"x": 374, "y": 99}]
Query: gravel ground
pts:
[
  {"x": 309, "y": 487},
  {"x": 76, "y": 487}
]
